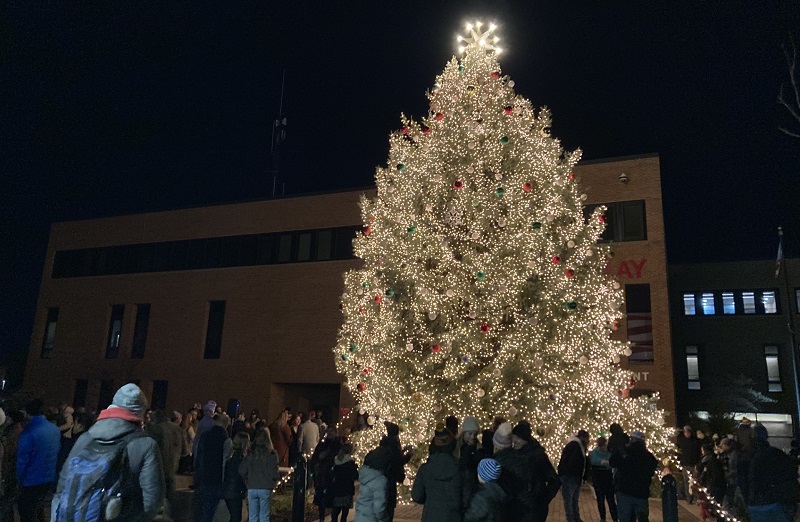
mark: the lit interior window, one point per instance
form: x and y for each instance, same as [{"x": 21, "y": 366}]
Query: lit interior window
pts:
[
  {"x": 728, "y": 304},
  {"x": 749, "y": 302},
  {"x": 773, "y": 369},
  {"x": 769, "y": 302},
  {"x": 708, "y": 304},
  {"x": 688, "y": 304},
  {"x": 692, "y": 368}
]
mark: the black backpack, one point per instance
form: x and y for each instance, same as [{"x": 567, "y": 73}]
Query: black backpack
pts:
[{"x": 94, "y": 479}]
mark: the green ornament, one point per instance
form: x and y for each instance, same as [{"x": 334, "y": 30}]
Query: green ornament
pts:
[
  {"x": 345, "y": 357},
  {"x": 500, "y": 192},
  {"x": 461, "y": 68},
  {"x": 480, "y": 276},
  {"x": 571, "y": 305},
  {"x": 504, "y": 140},
  {"x": 405, "y": 421},
  {"x": 353, "y": 347},
  {"x": 536, "y": 225},
  {"x": 389, "y": 293},
  {"x": 401, "y": 167},
  {"x": 411, "y": 229},
  {"x": 476, "y": 202},
  {"x": 365, "y": 285}
]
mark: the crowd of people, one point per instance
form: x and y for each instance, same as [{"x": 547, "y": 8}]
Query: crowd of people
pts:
[
  {"x": 741, "y": 471},
  {"x": 122, "y": 462}
]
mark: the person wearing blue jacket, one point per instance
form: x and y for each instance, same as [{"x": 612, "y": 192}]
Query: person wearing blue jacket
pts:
[
  {"x": 37, "y": 456},
  {"x": 602, "y": 480}
]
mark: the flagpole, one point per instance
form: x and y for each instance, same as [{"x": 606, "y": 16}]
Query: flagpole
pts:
[{"x": 790, "y": 326}]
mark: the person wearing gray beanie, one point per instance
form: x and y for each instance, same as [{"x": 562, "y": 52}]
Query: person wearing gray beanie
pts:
[{"x": 121, "y": 423}]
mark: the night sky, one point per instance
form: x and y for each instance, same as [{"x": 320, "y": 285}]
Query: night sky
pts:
[{"x": 119, "y": 107}]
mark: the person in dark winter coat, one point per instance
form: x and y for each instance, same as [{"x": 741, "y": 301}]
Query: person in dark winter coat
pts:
[
  {"x": 729, "y": 454},
  {"x": 689, "y": 457},
  {"x": 488, "y": 503},
  {"x": 439, "y": 485},
  {"x": 602, "y": 479},
  {"x": 395, "y": 471},
  {"x": 143, "y": 494},
  {"x": 542, "y": 480},
  {"x": 342, "y": 489},
  {"x": 745, "y": 436},
  {"x": 515, "y": 478},
  {"x": 209, "y": 465},
  {"x": 466, "y": 451},
  {"x": 37, "y": 456},
  {"x": 259, "y": 470},
  {"x": 773, "y": 482},
  {"x": 711, "y": 475},
  {"x": 321, "y": 466},
  {"x": 635, "y": 469},
  {"x": 573, "y": 470},
  {"x": 234, "y": 490},
  {"x": 669, "y": 496},
  {"x": 371, "y": 502}
]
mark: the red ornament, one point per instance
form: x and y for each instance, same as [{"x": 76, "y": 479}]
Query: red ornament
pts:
[
  {"x": 508, "y": 110},
  {"x": 436, "y": 348},
  {"x": 631, "y": 383},
  {"x": 569, "y": 273},
  {"x": 439, "y": 116},
  {"x": 404, "y": 129},
  {"x": 615, "y": 326},
  {"x": 484, "y": 327},
  {"x": 556, "y": 260},
  {"x": 571, "y": 175},
  {"x": 602, "y": 218},
  {"x": 458, "y": 184},
  {"x": 367, "y": 230},
  {"x": 361, "y": 386},
  {"x": 361, "y": 309},
  {"x": 626, "y": 393},
  {"x": 367, "y": 370},
  {"x": 426, "y": 130},
  {"x": 495, "y": 74},
  {"x": 527, "y": 187},
  {"x": 378, "y": 299}
]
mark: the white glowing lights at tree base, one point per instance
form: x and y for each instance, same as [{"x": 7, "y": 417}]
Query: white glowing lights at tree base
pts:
[{"x": 482, "y": 290}]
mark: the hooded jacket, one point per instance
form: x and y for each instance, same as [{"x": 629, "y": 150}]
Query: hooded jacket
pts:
[
  {"x": 635, "y": 470},
  {"x": 573, "y": 461},
  {"x": 487, "y": 504},
  {"x": 345, "y": 473},
  {"x": 143, "y": 495},
  {"x": 439, "y": 486},
  {"x": 371, "y": 501}
]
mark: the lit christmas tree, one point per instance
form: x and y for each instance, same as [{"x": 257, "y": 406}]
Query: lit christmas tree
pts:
[{"x": 483, "y": 290}]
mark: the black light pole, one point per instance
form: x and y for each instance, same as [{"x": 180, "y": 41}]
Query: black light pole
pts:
[{"x": 782, "y": 265}]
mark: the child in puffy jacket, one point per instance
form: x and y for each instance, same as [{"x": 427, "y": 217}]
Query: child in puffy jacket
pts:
[
  {"x": 487, "y": 504},
  {"x": 371, "y": 502}
]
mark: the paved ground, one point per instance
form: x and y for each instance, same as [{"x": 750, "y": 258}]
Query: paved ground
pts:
[{"x": 588, "y": 507}]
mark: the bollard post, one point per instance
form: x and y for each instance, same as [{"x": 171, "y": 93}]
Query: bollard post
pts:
[{"x": 299, "y": 491}]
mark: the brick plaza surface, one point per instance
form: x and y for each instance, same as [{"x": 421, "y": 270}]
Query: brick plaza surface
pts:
[{"x": 588, "y": 507}]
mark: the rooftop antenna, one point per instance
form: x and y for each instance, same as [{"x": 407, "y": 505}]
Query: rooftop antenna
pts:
[{"x": 278, "y": 135}]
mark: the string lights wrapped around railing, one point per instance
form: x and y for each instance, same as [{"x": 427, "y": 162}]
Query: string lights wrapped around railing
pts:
[{"x": 716, "y": 505}]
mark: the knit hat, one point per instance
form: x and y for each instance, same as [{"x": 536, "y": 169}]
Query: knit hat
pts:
[
  {"x": 131, "y": 398},
  {"x": 687, "y": 428},
  {"x": 210, "y": 407},
  {"x": 442, "y": 436},
  {"x": 637, "y": 435},
  {"x": 761, "y": 432},
  {"x": 378, "y": 459},
  {"x": 502, "y": 437},
  {"x": 392, "y": 429},
  {"x": 470, "y": 424},
  {"x": 523, "y": 431},
  {"x": 489, "y": 470},
  {"x": 745, "y": 421}
]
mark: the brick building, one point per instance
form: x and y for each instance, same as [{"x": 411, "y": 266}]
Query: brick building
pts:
[{"x": 240, "y": 301}]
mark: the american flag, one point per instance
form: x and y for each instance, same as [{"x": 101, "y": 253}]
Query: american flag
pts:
[{"x": 640, "y": 335}]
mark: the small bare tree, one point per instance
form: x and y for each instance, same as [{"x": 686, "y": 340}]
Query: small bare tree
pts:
[{"x": 791, "y": 101}]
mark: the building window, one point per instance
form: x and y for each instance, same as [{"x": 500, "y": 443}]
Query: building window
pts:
[
  {"x": 49, "y": 339},
  {"x": 285, "y": 248},
  {"x": 639, "y": 320},
  {"x": 114, "y": 331},
  {"x": 769, "y": 301},
  {"x": 707, "y": 300},
  {"x": 625, "y": 220},
  {"x": 693, "y": 367},
  {"x": 728, "y": 303},
  {"x": 140, "y": 331},
  {"x": 81, "y": 390},
  {"x": 106, "y": 394},
  {"x": 689, "y": 307},
  {"x": 748, "y": 302},
  {"x": 773, "y": 369},
  {"x": 160, "y": 389},
  {"x": 324, "y": 244},
  {"x": 216, "y": 319}
]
